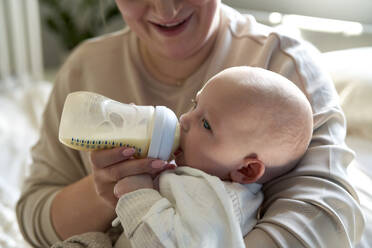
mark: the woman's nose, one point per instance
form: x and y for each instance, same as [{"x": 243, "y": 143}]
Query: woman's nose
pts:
[
  {"x": 167, "y": 9},
  {"x": 185, "y": 122}
]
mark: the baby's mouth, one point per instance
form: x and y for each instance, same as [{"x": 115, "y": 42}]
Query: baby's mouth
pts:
[
  {"x": 176, "y": 155},
  {"x": 178, "y": 152}
]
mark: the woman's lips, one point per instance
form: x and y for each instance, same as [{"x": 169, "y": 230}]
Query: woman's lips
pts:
[{"x": 172, "y": 29}]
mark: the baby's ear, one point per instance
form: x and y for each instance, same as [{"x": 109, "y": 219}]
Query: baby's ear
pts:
[{"x": 252, "y": 170}]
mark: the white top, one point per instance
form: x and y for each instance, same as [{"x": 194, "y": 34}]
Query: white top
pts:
[{"x": 190, "y": 209}]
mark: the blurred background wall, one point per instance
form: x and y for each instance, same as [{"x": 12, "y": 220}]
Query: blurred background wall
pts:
[{"x": 20, "y": 41}]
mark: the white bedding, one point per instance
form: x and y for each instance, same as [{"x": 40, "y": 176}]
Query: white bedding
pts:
[
  {"x": 21, "y": 109},
  {"x": 361, "y": 177},
  {"x": 20, "y": 113},
  {"x": 352, "y": 75}
]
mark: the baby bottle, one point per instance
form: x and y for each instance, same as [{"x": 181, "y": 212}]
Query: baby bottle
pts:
[{"x": 91, "y": 121}]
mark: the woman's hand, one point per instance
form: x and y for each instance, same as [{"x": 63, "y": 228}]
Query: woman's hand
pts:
[{"x": 113, "y": 165}]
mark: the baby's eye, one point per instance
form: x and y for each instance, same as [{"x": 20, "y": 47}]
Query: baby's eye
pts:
[{"x": 206, "y": 124}]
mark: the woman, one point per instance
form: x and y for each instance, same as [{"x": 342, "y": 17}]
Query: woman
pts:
[{"x": 170, "y": 48}]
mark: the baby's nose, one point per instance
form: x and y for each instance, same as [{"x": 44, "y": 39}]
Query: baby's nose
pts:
[{"x": 184, "y": 122}]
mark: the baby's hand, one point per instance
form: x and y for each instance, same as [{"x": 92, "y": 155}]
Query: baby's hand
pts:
[{"x": 132, "y": 183}]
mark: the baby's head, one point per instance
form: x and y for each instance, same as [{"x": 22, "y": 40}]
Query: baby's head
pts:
[{"x": 248, "y": 125}]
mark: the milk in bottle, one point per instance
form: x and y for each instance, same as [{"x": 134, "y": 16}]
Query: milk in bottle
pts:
[{"x": 91, "y": 121}]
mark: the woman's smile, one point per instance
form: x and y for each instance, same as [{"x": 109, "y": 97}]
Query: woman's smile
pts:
[{"x": 172, "y": 28}]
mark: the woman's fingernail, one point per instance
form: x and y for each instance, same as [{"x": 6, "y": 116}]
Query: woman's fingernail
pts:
[
  {"x": 129, "y": 152},
  {"x": 157, "y": 164}
]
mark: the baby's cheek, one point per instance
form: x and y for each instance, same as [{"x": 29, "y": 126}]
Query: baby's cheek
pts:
[{"x": 193, "y": 152}]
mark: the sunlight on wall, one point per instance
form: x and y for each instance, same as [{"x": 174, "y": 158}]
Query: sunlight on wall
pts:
[{"x": 317, "y": 24}]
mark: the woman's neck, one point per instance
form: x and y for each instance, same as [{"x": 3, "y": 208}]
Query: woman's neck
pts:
[{"x": 172, "y": 71}]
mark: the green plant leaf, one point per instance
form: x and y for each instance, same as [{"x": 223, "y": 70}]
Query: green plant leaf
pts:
[{"x": 64, "y": 19}]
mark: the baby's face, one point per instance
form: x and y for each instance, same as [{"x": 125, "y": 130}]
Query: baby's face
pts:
[
  {"x": 211, "y": 132},
  {"x": 242, "y": 114}
]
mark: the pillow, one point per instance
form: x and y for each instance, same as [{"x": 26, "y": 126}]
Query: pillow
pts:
[{"x": 352, "y": 74}]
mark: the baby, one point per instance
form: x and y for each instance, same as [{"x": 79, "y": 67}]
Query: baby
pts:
[{"x": 248, "y": 126}]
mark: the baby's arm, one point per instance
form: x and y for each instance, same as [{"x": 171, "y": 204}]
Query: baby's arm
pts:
[{"x": 190, "y": 210}]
